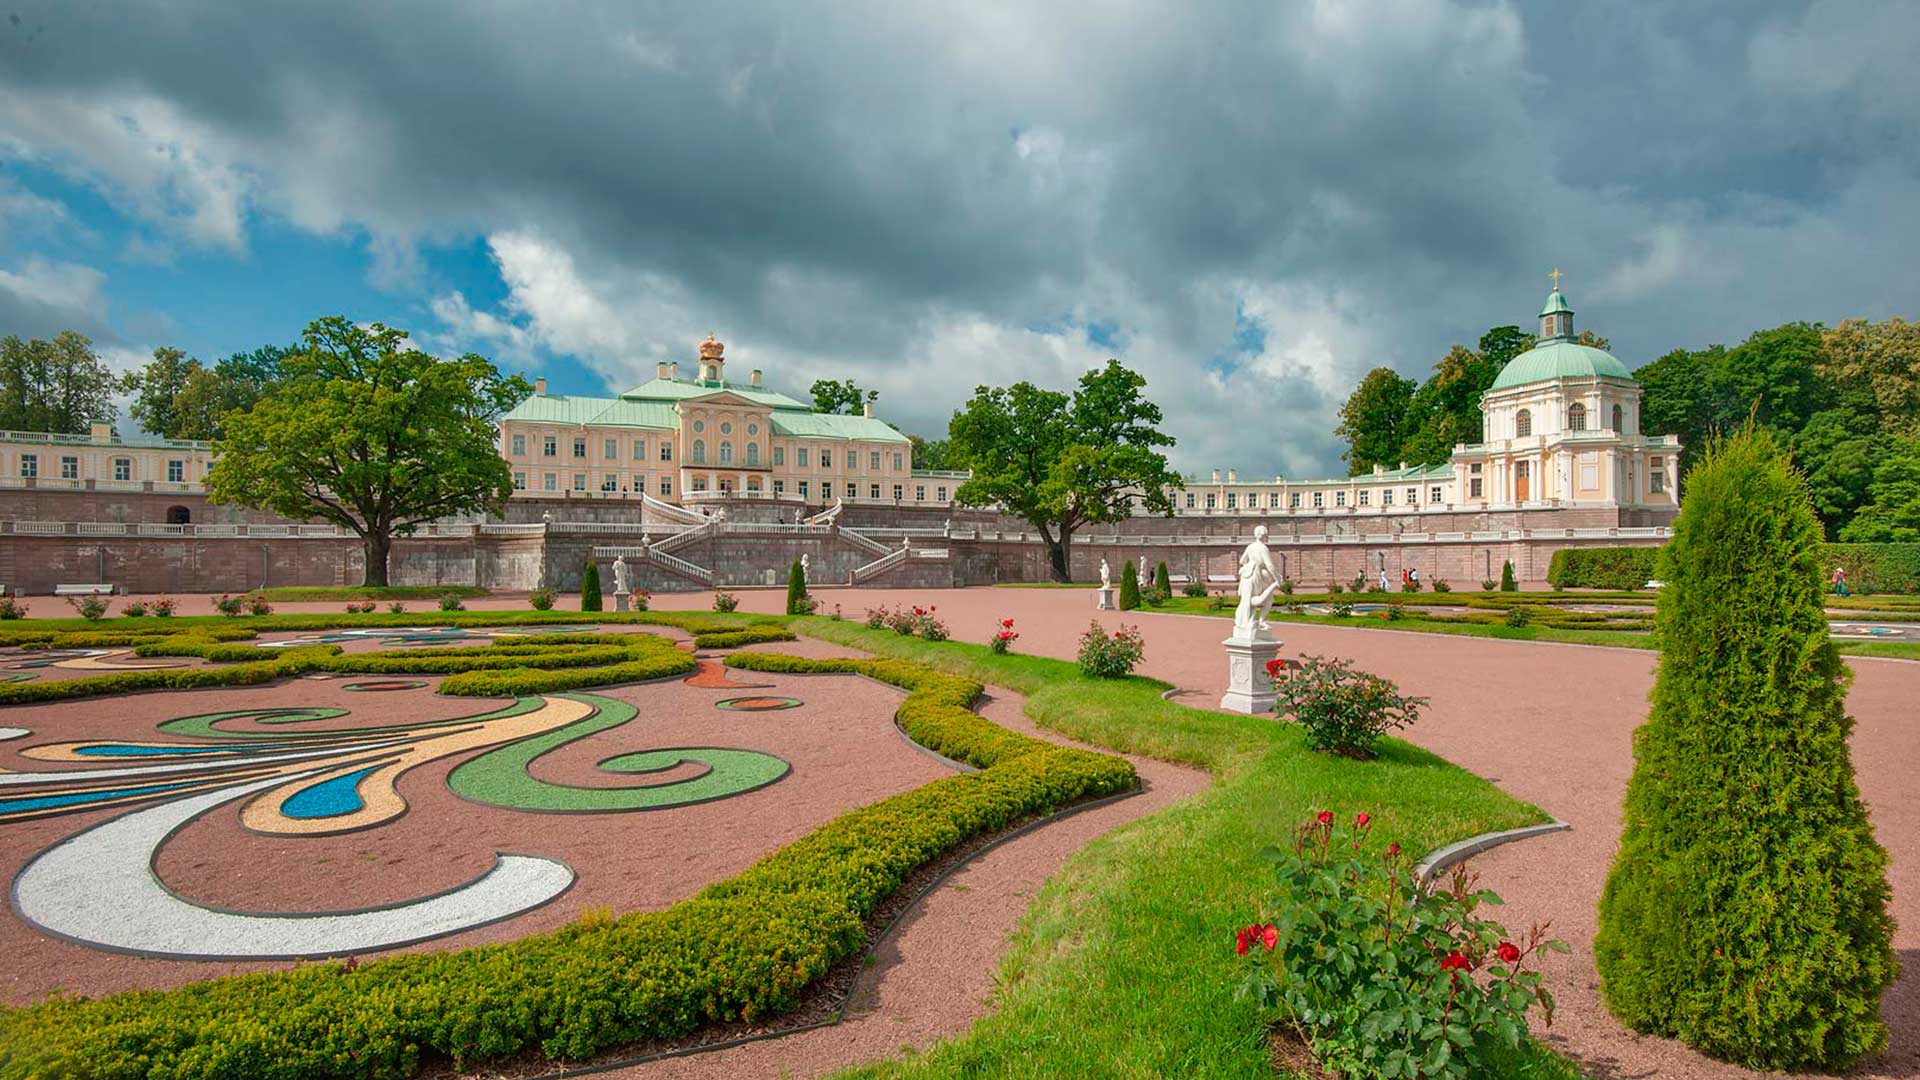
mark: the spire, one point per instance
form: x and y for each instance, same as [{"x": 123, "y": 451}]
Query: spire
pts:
[{"x": 1556, "y": 318}]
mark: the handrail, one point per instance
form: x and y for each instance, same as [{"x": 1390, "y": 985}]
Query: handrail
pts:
[
  {"x": 671, "y": 512},
  {"x": 860, "y": 541},
  {"x": 698, "y": 573},
  {"x": 830, "y": 515},
  {"x": 682, "y": 539},
  {"x": 880, "y": 565}
]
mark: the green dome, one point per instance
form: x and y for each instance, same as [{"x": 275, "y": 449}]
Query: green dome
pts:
[{"x": 1559, "y": 360}]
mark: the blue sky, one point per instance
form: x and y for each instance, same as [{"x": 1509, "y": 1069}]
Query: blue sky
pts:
[{"x": 928, "y": 198}]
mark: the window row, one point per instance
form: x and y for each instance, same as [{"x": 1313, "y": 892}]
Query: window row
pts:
[
  {"x": 69, "y": 468},
  {"x": 697, "y": 452},
  {"x": 1576, "y": 420}
]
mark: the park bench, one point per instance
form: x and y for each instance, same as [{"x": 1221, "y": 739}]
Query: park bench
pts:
[
  {"x": 1222, "y": 579},
  {"x": 91, "y": 589}
]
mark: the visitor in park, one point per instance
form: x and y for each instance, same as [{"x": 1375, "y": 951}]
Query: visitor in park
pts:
[
  {"x": 1413, "y": 577},
  {"x": 1840, "y": 581},
  {"x": 1383, "y": 579}
]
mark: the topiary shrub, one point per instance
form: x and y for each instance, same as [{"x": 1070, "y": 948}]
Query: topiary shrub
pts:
[
  {"x": 1602, "y": 567},
  {"x": 798, "y": 602},
  {"x": 1746, "y": 912},
  {"x": 1162, "y": 581},
  {"x": 590, "y": 587},
  {"x": 1129, "y": 587},
  {"x": 1508, "y": 583}
]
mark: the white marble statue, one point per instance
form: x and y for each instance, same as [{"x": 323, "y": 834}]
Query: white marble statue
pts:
[
  {"x": 1258, "y": 581},
  {"x": 1106, "y": 575},
  {"x": 806, "y": 566},
  {"x": 620, "y": 574}
]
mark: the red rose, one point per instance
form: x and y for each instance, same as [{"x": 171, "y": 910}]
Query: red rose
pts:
[
  {"x": 1326, "y": 817},
  {"x": 1393, "y": 850},
  {"x": 1008, "y": 623},
  {"x": 1270, "y": 936},
  {"x": 1362, "y": 820},
  {"x": 1509, "y": 952},
  {"x": 1456, "y": 962},
  {"x": 1242, "y": 940}
]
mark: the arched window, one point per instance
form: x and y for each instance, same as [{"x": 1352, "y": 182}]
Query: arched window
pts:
[
  {"x": 699, "y": 451},
  {"x": 753, "y": 453},
  {"x": 726, "y": 453},
  {"x": 1618, "y": 414},
  {"x": 1576, "y": 417},
  {"x": 1523, "y": 423}
]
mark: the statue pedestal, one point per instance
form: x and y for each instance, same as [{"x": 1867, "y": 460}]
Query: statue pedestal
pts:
[
  {"x": 622, "y": 601},
  {"x": 1103, "y": 598},
  {"x": 1249, "y": 690}
]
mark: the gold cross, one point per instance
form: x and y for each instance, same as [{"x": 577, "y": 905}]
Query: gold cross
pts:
[{"x": 1556, "y": 275}]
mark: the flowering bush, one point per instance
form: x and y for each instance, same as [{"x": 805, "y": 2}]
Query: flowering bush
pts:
[
  {"x": 1488, "y": 584},
  {"x": 11, "y": 608},
  {"x": 1518, "y": 617},
  {"x": 638, "y": 601},
  {"x": 134, "y": 609},
  {"x": 162, "y": 607},
  {"x": 228, "y": 605},
  {"x": 927, "y": 625},
  {"x": 1341, "y": 608},
  {"x": 1395, "y": 611},
  {"x": 725, "y": 601},
  {"x": 1155, "y": 596},
  {"x": 451, "y": 602},
  {"x": 1379, "y": 974},
  {"x": 836, "y": 616},
  {"x": 1194, "y": 588},
  {"x": 1344, "y": 710},
  {"x": 1110, "y": 656},
  {"x": 361, "y": 608},
  {"x": 257, "y": 605},
  {"x": 397, "y": 607},
  {"x": 1441, "y": 584},
  {"x": 1002, "y": 641},
  {"x": 1409, "y": 586},
  {"x": 90, "y": 608},
  {"x": 542, "y": 599},
  {"x": 876, "y": 618}
]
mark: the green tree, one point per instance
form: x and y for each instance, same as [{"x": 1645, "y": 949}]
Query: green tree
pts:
[
  {"x": 1508, "y": 583},
  {"x": 1746, "y": 912},
  {"x": 590, "y": 587},
  {"x": 1893, "y": 501},
  {"x": 1129, "y": 587},
  {"x": 1772, "y": 376},
  {"x": 178, "y": 397},
  {"x": 1373, "y": 420},
  {"x": 1837, "y": 450},
  {"x": 156, "y": 387},
  {"x": 1880, "y": 362},
  {"x": 929, "y": 453},
  {"x": 1162, "y": 581},
  {"x": 372, "y": 435},
  {"x": 841, "y": 397},
  {"x": 1446, "y": 409},
  {"x": 796, "y": 589},
  {"x": 1061, "y": 462},
  {"x": 59, "y": 386}
]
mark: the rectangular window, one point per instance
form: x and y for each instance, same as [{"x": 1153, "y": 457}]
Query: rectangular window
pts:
[
  {"x": 610, "y": 449},
  {"x": 919, "y": 493},
  {"x": 1386, "y": 498},
  {"x": 1433, "y": 495},
  {"x": 666, "y": 450},
  {"x": 801, "y": 456},
  {"x": 897, "y": 462},
  {"x": 580, "y": 448},
  {"x": 519, "y": 481},
  {"x": 1319, "y": 500},
  {"x": 639, "y": 449},
  {"x": 610, "y": 482},
  {"x": 873, "y": 460},
  {"x": 1212, "y": 500},
  {"x": 779, "y": 455},
  {"x": 666, "y": 485},
  {"x": 1413, "y": 496},
  {"x": 550, "y": 482},
  {"x": 1473, "y": 487},
  {"x": 898, "y": 493},
  {"x": 1656, "y": 475},
  {"x": 549, "y": 446},
  {"x": 826, "y": 489},
  {"x": 1273, "y": 500},
  {"x": 177, "y": 472},
  {"x": 1293, "y": 500},
  {"x": 1363, "y": 498},
  {"x": 29, "y": 466},
  {"x": 69, "y": 468},
  {"x": 779, "y": 487},
  {"x": 942, "y": 497},
  {"x": 802, "y": 484},
  {"x": 1190, "y": 500},
  {"x": 1233, "y": 500},
  {"x": 579, "y": 481},
  {"x": 1474, "y": 469},
  {"x": 1339, "y": 498},
  {"x": 122, "y": 468},
  {"x": 826, "y": 459},
  {"x": 873, "y": 492},
  {"x": 519, "y": 446},
  {"x": 699, "y": 483}
]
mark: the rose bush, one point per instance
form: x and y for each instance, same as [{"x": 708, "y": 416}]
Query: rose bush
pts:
[
  {"x": 1344, "y": 710},
  {"x": 1002, "y": 641},
  {"x": 1111, "y": 656}
]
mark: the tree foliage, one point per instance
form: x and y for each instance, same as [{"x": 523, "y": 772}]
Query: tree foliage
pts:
[
  {"x": 590, "y": 599},
  {"x": 1062, "y": 461},
  {"x": 369, "y": 433},
  {"x": 1390, "y": 419},
  {"x": 841, "y": 397},
  {"x": 178, "y": 397},
  {"x": 1374, "y": 418},
  {"x": 1129, "y": 587},
  {"x": 797, "y": 589},
  {"x": 1746, "y": 912},
  {"x": 60, "y": 386}
]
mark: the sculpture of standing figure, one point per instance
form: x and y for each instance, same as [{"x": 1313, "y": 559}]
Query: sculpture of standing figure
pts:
[
  {"x": 806, "y": 567},
  {"x": 1258, "y": 581},
  {"x": 620, "y": 574},
  {"x": 1106, "y": 575}
]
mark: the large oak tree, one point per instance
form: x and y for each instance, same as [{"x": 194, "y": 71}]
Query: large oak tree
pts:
[
  {"x": 60, "y": 385},
  {"x": 366, "y": 432},
  {"x": 1062, "y": 462}
]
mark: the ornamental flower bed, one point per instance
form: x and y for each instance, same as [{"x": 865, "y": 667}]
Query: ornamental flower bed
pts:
[
  {"x": 1380, "y": 975},
  {"x": 1002, "y": 641},
  {"x": 1111, "y": 656}
]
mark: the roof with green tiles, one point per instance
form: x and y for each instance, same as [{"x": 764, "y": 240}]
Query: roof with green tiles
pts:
[
  {"x": 679, "y": 390},
  {"x": 1559, "y": 359},
  {"x": 652, "y": 405}
]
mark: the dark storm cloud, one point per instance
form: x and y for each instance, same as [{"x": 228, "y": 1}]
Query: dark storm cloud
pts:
[{"x": 898, "y": 194}]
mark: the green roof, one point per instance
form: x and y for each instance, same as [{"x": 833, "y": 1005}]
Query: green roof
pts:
[
  {"x": 1556, "y": 304},
  {"x": 815, "y": 425},
  {"x": 1559, "y": 360},
  {"x": 607, "y": 412},
  {"x": 679, "y": 390}
]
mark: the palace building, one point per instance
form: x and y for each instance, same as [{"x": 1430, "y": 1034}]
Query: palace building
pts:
[
  {"x": 1561, "y": 430},
  {"x": 704, "y": 439}
]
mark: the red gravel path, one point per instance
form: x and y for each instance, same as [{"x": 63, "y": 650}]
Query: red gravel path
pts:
[{"x": 1550, "y": 723}]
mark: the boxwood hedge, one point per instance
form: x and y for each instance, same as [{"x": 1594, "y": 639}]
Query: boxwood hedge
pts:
[{"x": 739, "y": 950}]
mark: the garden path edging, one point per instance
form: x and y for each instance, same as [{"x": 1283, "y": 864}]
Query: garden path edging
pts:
[{"x": 1445, "y": 858}]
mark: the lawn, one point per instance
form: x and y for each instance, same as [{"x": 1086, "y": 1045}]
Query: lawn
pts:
[{"x": 1124, "y": 965}]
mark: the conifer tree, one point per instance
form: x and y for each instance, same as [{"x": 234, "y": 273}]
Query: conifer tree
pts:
[
  {"x": 1746, "y": 912},
  {"x": 590, "y": 587},
  {"x": 796, "y": 588},
  {"x": 1508, "y": 583},
  {"x": 1162, "y": 581},
  {"x": 1129, "y": 587}
]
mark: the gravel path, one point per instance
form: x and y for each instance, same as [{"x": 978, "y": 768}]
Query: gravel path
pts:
[{"x": 1550, "y": 723}]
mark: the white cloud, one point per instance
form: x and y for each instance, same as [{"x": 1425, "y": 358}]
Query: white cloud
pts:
[{"x": 59, "y": 285}]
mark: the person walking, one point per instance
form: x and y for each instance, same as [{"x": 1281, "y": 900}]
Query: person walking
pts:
[
  {"x": 1383, "y": 579},
  {"x": 1413, "y": 578},
  {"x": 1840, "y": 581}
]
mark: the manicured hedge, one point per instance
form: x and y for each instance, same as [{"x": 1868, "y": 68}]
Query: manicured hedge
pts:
[
  {"x": 752, "y": 635},
  {"x": 1875, "y": 568},
  {"x": 1871, "y": 568},
  {"x": 739, "y": 950},
  {"x": 1603, "y": 567}
]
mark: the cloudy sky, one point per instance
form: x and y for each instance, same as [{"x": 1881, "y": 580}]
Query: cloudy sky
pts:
[{"x": 1252, "y": 204}]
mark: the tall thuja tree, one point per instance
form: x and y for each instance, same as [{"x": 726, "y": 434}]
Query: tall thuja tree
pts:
[
  {"x": 1129, "y": 587},
  {"x": 796, "y": 589},
  {"x": 590, "y": 587},
  {"x": 1746, "y": 913}
]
